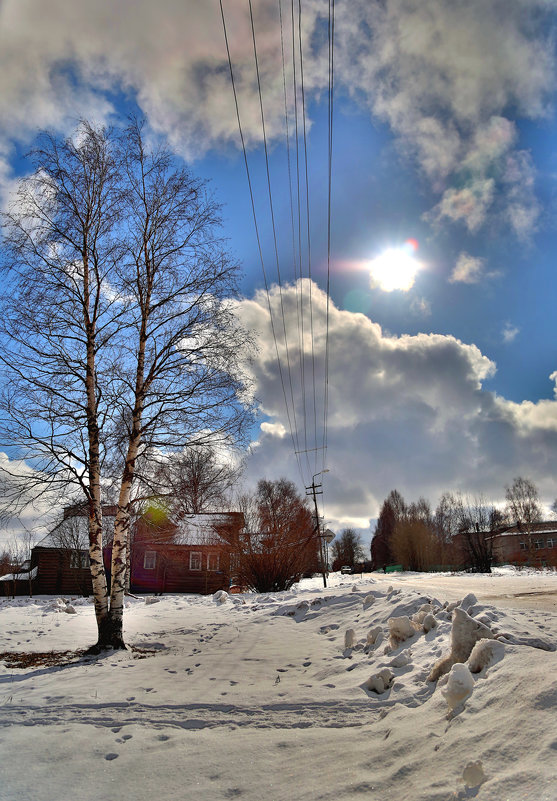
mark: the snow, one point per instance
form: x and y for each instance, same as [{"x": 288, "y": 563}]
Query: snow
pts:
[{"x": 257, "y": 696}]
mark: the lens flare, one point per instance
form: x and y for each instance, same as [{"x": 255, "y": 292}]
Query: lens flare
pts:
[{"x": 395, "y": 268}]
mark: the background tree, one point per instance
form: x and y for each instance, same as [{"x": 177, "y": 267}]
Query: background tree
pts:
[
  {"x": 280, "y": 545},
  {"x": 347, "y": 549},
  {"x": 523, "y": 507},
  {"x": 120, "y": 340},
  {"x": 446, "y": 524},
  {"x": 479, "y": 521},
  {"x": 381, "y": 544},
  {"x": 413, "y": 543},
  {"x": 197, "y": 479}
]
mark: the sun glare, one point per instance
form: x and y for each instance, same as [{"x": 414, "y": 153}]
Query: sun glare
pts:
[{"x": 395, "y": 268}]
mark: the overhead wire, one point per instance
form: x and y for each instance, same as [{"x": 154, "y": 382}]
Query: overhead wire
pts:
[
  {"x": 258, "y": 238},
  {"x": 308, "y": 221},
  {"x": 298, "y": 257},
  {"x": 272, "y": 212},
  {"x": 331, "y": 29}
]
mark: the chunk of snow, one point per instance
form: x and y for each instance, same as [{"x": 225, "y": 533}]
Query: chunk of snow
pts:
[
  {"x": 429, "y": 622},
  {"x": 459, "y": 686},
  {"x": 70, "y": 610},
  {"x": 473, "y": 774},
  {"x": 150, "y": 599},
  {"x": 374, "y": 634},
  {"x": 368, "y": 600},
  {"x": 468, "y": 601},
  {"x": 402, "y": 659},
  {"x": 485, "y": 653},
  {"x": 349, "y": 638},
  {"x": 465, "y": 633},
  {"x": 400, "y": 629},
  {"x": 380, "y": 682},
  {"x": 221, "y": 597}
]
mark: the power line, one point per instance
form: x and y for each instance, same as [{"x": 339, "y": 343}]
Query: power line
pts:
[
  {"x": 307, "y": 216},
  {"x": 271, "y": 208},
  {"x": 257, "y": 230},
  {"x": 329, "y": 193}
]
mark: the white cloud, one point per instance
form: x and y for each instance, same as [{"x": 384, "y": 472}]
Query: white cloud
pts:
[
  {"x": 510, "y": 332},
  {"x": 273, "y": 429},
  {"x": 409, "y": 412},
  {"x": 446, "y": 76},
  {"x": 468, "y": 269}
]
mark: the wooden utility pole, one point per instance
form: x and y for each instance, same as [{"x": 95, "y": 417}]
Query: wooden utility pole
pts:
[{"x": 315, "y": 490}]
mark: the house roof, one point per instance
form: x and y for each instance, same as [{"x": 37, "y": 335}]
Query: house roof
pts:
[
  {"x": 29, "y": 574},
  {"x": 543, "y": 527},
  {"x": 205, "y": 528},
  {"x": 73, "y": 532}
]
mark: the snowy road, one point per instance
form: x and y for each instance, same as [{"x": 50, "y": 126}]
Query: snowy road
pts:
[{"x": 260, "y": 698}]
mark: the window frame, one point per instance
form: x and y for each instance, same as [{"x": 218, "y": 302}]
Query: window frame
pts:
[
  {"x": 79, "y": 560},
  {"x": 213, "y": 555},
  {"x": 196, "y": 556},
  {"x": 148, "y": 557}
]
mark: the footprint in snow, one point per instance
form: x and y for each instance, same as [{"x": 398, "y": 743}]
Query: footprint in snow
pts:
[{"x": 110, "y": 757}]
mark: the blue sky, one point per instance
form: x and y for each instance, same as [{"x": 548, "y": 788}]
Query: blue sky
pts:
[{"x": 444, "y": 131}]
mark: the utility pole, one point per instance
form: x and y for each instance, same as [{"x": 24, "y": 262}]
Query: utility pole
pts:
[{"x": 315, "y": 490}]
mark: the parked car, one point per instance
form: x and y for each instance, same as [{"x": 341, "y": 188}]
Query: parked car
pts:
[{"x": 346, "y": 569}]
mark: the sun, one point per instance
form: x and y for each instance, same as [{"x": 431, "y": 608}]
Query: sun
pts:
[{"x": 395, "y": 268}]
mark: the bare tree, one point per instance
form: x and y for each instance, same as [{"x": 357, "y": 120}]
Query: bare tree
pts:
[
  {"x": 195, "y": 480},
  {"x": 523, "y": 507},
  {"x": 347, "y": 549},
  {"x": 479, "y": 522},
  {"x": 120, "y": 339},
  {"x": 58, "y": 320},
  {"x": 282, "y": 544},
  {"x": 183, "y": 382}
]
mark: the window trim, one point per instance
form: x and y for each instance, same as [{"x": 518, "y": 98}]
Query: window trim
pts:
[
  {"x": 198, "y": 558},
  {"x": 148, "y": 558}
]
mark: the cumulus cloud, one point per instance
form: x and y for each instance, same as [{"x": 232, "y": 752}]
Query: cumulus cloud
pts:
[{"x": 409, "y": 412}]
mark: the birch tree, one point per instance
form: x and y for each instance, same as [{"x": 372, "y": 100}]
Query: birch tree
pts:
[
  {"x": 182, "y": 381},
  {"x": 120, "y": 338},
  {"x": 59, "y": 251}
]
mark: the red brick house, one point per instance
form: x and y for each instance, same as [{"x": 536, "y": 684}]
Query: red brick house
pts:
[
  {"x": 191, "y": 555},
  {"x": 536, "y": 546}
]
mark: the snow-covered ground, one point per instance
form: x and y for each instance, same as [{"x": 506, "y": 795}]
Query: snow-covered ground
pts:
[{"x": 270, "y": 697}]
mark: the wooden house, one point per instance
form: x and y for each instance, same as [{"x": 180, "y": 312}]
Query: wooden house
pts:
[
  {"x": 62, "y": 557},
  {"x": 193, "y": 554}
]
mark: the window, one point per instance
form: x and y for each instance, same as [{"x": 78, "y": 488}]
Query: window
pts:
[
  {"x": 551, "y": 542},
  {"x": 79, "y": 559},
  {"x": 538, "y": 544},
  {"x": 212, "y": 561},
  {"x": 523, "y": 546},
  {"x": 195, "y": 560},
  {"x": 149, "y": 560}
]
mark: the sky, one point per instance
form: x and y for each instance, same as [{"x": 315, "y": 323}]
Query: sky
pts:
[{"x": 441, "y": 378}]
